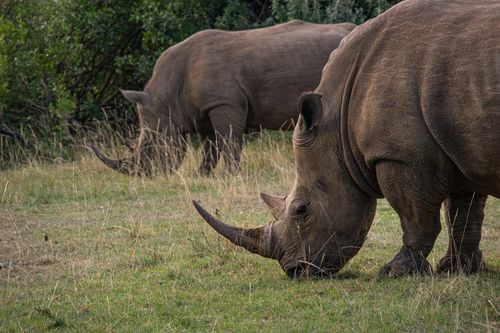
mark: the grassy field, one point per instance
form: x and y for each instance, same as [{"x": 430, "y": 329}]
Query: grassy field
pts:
[{"x": 85, "y": 249}]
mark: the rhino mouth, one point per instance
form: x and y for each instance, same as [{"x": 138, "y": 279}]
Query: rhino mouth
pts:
[{"x": 304, "y": 270}]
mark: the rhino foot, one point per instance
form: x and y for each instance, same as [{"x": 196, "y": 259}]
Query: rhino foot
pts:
[
  {"x": 462, "y": 263},
  {"x": 406, "y": 264}
]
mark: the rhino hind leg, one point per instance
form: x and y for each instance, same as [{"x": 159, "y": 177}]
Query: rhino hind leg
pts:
[
  {"x": 416, "y": 195},
  {"x": 210, "y": 155},
  {"x": 464, "y": 217},
  {"x": 231, "y": 151}
]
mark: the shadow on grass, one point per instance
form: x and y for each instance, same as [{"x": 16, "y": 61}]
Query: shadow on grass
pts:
[
  {"x": 351, "y": 275},
  {"x": 56, "y": 323},
  {"x": 347, "y": 275}
]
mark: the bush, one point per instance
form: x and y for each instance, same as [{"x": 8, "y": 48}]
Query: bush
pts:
[
  {"x": 63, "y": 61},
  {"x": 332, "y": 11}
]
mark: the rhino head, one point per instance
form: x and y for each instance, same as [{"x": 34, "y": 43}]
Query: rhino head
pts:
[
  {"x": 324, "y": 220},
  {"x": 160, "y": 145}
]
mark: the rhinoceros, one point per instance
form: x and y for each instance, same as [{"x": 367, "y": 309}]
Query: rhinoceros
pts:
[
  {"x": 408, "y": 108},
  {"x": 219, "y": 84}
]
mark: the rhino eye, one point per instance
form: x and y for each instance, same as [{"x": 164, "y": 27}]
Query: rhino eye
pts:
[{"x": 301, "y": 210}]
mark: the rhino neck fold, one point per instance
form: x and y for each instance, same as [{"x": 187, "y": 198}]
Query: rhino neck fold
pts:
[
  {"x": 362, "y": 176},
  {"x": 170, "y": 89}
]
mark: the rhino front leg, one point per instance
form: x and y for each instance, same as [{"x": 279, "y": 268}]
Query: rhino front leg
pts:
[
  {"x": 464, "y": 217},
  {"x": 229, "y": 125},
  {"x": 416, "y": 195},
  {"x": 210, "y": 155}
]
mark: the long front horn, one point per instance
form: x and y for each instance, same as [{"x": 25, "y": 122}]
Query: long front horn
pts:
[
  {"x": 256, "y": 240},
  {"x": 122, "y": 166}
]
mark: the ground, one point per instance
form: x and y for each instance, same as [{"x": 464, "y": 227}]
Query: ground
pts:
[{"x": 85, "y": 249}]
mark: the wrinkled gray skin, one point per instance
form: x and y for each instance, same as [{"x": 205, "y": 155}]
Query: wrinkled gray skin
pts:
[
  {"x": 220, "y": 84},
  {"x": 408, "y": 108}
]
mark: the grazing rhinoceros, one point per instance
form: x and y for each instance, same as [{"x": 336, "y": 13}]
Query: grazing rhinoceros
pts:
[
  {"x": 408, "y": 108},
  {"x": 220, "y": 84}
]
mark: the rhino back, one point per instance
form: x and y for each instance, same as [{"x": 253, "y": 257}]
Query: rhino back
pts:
[
  {"x": 263, "y": 70},
  {"x": 412, "y": 84}
]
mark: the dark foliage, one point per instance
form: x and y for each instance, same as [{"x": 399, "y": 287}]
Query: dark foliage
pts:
[{"x": 62, "y": 61}]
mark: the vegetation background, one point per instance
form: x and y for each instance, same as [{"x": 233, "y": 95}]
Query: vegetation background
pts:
[
  {"x": 63, "y": 61},
  {"x": 85, "y": 249}
]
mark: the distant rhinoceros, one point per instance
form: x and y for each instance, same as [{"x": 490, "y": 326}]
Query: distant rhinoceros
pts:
[
  {"x": 408, "y": 108},
  {"x": 219, "y": 84}
]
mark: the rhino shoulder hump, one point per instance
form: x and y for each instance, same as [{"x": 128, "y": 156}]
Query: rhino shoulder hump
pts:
[
  {"x": 296, "y": 22},
  {"x": 206, "y": 34}
]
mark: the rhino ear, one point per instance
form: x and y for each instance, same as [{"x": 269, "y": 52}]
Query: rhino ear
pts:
[
  {"x": 276, "y": 204},
  {"x": 136, "y": 97},
  {"x": 311, "y": 110}
]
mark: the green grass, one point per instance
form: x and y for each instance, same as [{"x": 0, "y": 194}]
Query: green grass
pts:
[{"x": 84, "y": 249}]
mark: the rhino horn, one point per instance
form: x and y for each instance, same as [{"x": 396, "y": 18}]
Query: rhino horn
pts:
[
  {"x": 122, "y": 166},
  {"x": 256, "y": 240},
  {"x": 275, "y": 204}
]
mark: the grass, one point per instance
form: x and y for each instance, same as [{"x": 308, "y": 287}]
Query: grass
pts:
[{"x": 85, "y": 249}]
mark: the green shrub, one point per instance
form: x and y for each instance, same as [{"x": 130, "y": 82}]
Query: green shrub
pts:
[
  {"x": 330, "y": 11},
  {"x": 63, "y": 61}
]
